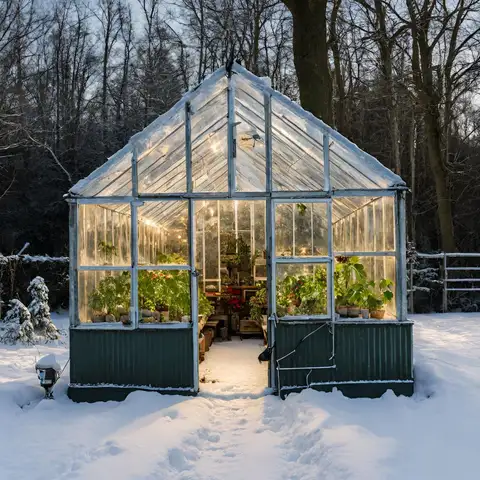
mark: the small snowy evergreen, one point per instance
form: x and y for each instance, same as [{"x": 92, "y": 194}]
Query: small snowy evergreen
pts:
[
  {"x": 17, "y": 325},
  {"x": 40, "y": 310}
]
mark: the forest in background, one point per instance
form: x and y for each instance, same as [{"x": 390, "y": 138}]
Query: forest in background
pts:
[{"x": 400, "y": 78}]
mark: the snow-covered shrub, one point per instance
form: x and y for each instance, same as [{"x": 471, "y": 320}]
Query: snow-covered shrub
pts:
[
  {"x": 17, "y": 325},
  {"x": 40, "y": 310}
]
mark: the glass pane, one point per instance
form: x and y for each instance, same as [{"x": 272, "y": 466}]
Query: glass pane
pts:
[
  {"x": 297, "y": 151},
  {"x": 368, "y": 228},
  {"x": 210, "y": 141},
  {"x": 104, "y": 235},
  {"x": 301, "y": 289},
  {"x": 230, "y": 242},
  {"x": 208, "y": 244},
  {"x": 365, "y": 282},
  {"x": 162, "y": 168},
  {"x": 389, "y": 225},
  {"x": 164, "y": 296},
  {"x": 163, "y": 233},
  {"x": 350, "y": 169},
  {"x": 301, "y": 229},
  {"x": 104, "y": 296},
  {"x": 250, "y": 119},
  {"x": 115, "y": 180}
]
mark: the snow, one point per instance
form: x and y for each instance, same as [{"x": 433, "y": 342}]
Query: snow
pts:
[
  {"x": 235, "y": 430},
  {"x": 32, "y": 258},
  {"x": 48, "y": 361},
  {"x": 232, "y": 368}
]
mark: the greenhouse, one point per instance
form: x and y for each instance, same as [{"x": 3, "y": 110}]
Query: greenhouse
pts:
[{"x": 237, "y": 213}]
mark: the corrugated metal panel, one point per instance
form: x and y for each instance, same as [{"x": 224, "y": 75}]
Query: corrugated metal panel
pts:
[
  {"x": 380, "y": 351},
  {"x": 316, "y": 351},
  {"x": 363, "y": 352},
  {"x": 158, "y": 358}
]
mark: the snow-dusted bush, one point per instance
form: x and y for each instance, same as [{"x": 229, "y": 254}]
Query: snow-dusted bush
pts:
[
  {"x": 17, "y": 325},
  {"x": 40, "y": 310}
]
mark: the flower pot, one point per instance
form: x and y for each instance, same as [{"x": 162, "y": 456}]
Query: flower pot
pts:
[
  {"x": 365, "y": 313},
  {"x": 353, "y": 312},
  {"x": 378, "y": 314},
  {"x": 343, "y": 311},
  {"x": 98, "y": 318},
  {"x": 125, "y": 319},
  {"x": 110, "y": 318}
]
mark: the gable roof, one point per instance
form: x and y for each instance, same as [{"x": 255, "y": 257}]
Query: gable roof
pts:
[{"x": 297, "y": 147}]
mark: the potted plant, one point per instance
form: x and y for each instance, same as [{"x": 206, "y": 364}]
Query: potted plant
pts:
[
  {"x": 377, "y": 299},
  {"x": 111, "y": 297},
  {"x": 231, "y": 261},
  {"x": 349, "y": 276},
  {"x": 108, "y": 250},
  {"x": 312, "y": 290}
]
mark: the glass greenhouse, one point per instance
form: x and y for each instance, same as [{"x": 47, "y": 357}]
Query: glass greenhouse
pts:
[{"x": 235, "y": 189}]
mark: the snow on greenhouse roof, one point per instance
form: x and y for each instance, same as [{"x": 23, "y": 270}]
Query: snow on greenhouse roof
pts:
[{"x": 296, "y": 139}]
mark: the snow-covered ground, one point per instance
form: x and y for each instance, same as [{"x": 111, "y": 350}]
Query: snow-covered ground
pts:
[
  {"x": 226, "y": 433},
  {"x": 231, "y": 369}
]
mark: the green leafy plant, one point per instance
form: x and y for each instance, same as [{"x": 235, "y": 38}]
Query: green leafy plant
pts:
[
  {"x": 108, "y": 249},
  {"x": 231, "y": 260},
  {"x": 313, "y": 293},
  {"x": 258, "y": 303},
  {"x": 303, "y": 294},
  {"x": 167, "y": 288},
  {"x": 348, "y": 271},
  {"x": 302, "y": 209},
  {"x": 377, "y": 298},
  {"x": 112, "y": 294}
]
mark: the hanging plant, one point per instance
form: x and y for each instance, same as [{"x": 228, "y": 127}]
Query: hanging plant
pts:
[{"x": 301, "y": 208}]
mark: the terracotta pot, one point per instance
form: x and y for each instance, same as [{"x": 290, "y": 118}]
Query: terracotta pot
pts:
[
  {"x": 353, "y": 312},
  {"x": 378, "y": 314},
  {"x": 343, "y": 311},
  {"x": 291, "y": 309}
]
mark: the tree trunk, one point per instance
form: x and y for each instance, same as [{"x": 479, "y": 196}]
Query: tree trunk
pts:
[
  {"x": 439, "y": 172},
  {"x": 310, "y": 51}
]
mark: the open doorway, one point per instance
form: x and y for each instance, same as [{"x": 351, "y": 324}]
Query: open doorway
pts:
[{"x": 230, "y": 258}]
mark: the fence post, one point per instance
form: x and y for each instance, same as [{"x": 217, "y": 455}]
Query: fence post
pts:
[
  {"x": 412, "y": 289},
  {"x": 445, "y": 282}
]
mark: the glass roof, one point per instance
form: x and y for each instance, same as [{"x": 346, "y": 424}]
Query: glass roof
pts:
[{"x": 297, "y": 148}]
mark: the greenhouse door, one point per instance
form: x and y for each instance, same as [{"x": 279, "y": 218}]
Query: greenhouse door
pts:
[{"x": 301, "y": 268}]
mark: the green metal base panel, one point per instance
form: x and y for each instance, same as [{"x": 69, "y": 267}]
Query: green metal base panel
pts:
[
  {"x": 154, "y": 358},
  {"x": 361, "y": 390},
  {"x": 364, "y": 352},
  {"x": 115, "y": 394}
]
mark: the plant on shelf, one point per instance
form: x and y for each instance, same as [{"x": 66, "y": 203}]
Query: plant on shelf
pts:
[
  {"x": 236, "y": 254},
  {"x": 111, "y": 298},
  {"x": 303, "y": 294},
  {"x": 364, "y": 294},
  {"x": 348, "y": 271},
  {"x": 313, "y": 293},
  {"x": 302, "y": 208},
  {"x": 377, "y": 298},
  {"x": 108, "y": 249},
  {"x": 288, "y": 294},
  {"x": 258, "y": 303},
  {"x": 159, "y": 292}
]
